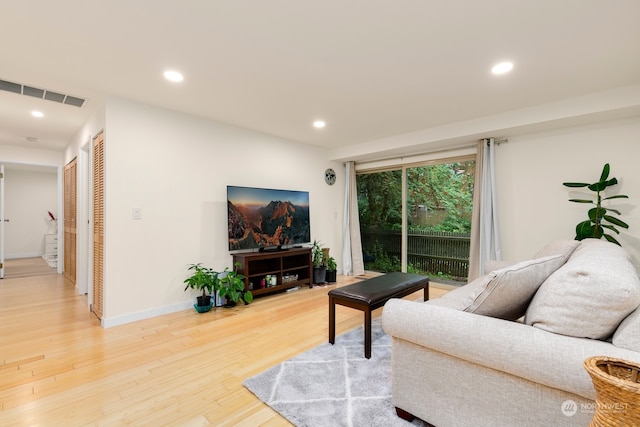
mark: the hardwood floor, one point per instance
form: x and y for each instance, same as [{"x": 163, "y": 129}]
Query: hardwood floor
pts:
[
  {"x": 58, "y": 367},
  {"x": 23, "y": 267}
]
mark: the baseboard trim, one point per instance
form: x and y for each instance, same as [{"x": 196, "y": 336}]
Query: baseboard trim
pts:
[
  {"x": 20, "y": 256},
  {"x": 146, "y": 314}
]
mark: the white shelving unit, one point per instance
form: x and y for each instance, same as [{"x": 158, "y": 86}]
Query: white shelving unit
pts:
[{"x": 51, "y": 249}]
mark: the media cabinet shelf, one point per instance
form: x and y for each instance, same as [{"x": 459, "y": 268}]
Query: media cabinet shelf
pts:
[{"x": 255, "y": 266}]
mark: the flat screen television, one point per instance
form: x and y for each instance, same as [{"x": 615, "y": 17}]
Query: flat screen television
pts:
[{"x": 267, "y": 219}]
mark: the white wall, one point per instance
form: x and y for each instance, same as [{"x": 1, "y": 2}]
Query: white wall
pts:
[
  {"x": 533, "y": 203},
  {"x": 175, "y": 168},
  {"x": 30, "y": 156},
  {"x": 29, "y": 194}
]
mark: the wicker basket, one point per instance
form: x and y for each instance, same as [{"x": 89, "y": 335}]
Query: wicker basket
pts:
[{"x": 617, "y": 385}]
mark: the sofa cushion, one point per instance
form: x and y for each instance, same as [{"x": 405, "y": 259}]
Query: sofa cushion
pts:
[
  {"x": 502, "y": 293},
  {"x": 628, "y": 333},
  {"x": 590, "y": 295}
]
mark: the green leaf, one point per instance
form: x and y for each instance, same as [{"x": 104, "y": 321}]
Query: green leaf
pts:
[
  {"x": 575, "y": 184},
  {"x": 598, "y": 186},
  {"x": 616, "y": 211},
  {"x": 248, "y": 297},
  {"x": 618, "y": 196},
  {"x": 616, "y": 221},
  {"x": 581, "y": 201},
  {"x": 612, "y": 239},
  {"x": 587, "y": 229},
  {"x": 605, "y": 172},
  {"x": 611, "y": 227},
  {"x": 612, "y": 181},
  {"x": 596, "y": 213}
]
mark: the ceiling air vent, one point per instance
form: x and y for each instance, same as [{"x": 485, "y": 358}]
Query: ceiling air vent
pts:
[
  {"x": 41, "y": 93},
  {"x": 10, "y": 87},
  {"x": 32, "y": 91}
]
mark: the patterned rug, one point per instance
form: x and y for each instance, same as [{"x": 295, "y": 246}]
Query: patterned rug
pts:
[{"x": 334, "y": 385}]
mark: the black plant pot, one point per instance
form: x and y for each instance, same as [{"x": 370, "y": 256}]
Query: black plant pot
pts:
[
  {"x": 331, "y": 276},
  {"x": 204, "y": 301},
  {"x": 229, "y": 304},
  {"x": 319, "y": 275}
]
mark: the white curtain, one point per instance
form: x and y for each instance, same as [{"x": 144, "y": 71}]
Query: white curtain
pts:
[
  {"x": 485, "y": 237},
  {"x": 352, "y": 261}
]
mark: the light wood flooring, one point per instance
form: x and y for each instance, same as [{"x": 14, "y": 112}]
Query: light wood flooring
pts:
[
  {"x": 24, "y": 267},
  {"x": 58, "y": 367}
]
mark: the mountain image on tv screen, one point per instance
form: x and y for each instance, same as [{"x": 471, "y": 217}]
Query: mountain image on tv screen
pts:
[{"x": 263, "y": 218}]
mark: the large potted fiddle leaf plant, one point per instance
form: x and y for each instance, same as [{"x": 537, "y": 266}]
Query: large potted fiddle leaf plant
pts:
[{"x": 600, "y": 218}]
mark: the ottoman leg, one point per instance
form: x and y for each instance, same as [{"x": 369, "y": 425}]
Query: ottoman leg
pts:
[
  {"x": 367, "y": 333},
  {"x": 332, "y": 320}
]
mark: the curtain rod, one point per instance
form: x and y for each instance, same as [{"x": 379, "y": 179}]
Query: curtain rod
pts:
[{"x": 496, "y": 141}]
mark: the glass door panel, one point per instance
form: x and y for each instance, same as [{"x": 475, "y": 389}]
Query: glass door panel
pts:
[
  {"x": 439, "y": 204},
  {"x": 380, "y": 210}
]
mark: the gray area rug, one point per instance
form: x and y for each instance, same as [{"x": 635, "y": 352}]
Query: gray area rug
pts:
[{"x": 334, "y": 385}]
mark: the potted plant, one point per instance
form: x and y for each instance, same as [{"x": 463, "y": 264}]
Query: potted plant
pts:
[
  {"x": 319, "y": 263},
  {"x": 202, "y": 279},
  {"x": 599, "y": 217},
  {"x": 232, "y": 287},
  {"x": 332, "y": 268}
]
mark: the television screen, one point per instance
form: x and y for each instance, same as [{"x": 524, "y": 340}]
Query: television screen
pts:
[{"x": 267, "y": 218}]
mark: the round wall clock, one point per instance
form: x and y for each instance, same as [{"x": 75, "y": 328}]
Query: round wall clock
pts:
[{"x": 330, "y": 176}]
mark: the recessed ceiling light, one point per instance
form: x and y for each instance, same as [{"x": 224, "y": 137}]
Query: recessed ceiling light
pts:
[
  {"x": 173, "y": 76},
  {"x": 37, "y": 114},
  {"x": 319, "y": 124},
  {"x": 502, "y": 68}
]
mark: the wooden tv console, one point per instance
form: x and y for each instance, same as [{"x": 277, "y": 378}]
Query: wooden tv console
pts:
[{"x": 284, "y": 265}]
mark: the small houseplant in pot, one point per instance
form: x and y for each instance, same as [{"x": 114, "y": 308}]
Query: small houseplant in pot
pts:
[
  {"x": 319, "y": 263},
  {"x": 202, "y": 279},
  {"x": 232, "y": 288},
  {"x": 332, "y": 268}
]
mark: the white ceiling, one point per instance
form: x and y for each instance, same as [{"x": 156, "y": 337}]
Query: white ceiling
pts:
[{"x": 370, "y": 68}]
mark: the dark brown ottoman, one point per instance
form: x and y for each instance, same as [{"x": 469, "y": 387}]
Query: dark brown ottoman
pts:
[{"x": 371, "y": 294}]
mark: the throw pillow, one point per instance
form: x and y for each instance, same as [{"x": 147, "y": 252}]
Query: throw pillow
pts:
[
  {"x": 502, "y": 293},
  {"x": 493, "y": 265},
  {"x": 558, "y": 247},
  {"x": 628, "y": 333},
  {"x": 590, "y": 295}
]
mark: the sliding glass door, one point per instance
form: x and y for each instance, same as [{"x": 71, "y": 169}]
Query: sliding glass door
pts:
[{"x": 418, "y": 219}]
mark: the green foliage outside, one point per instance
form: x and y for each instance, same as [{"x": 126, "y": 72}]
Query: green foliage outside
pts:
[
  {"x": 446, "y": 187},
  {"x": 439, "y": 199},
  {"x": 385, "y": 263}
]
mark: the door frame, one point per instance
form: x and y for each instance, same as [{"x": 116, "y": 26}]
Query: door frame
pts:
[
  {"x": 84, "y": 246},
  {"x": 60, "y": 181},
  {"x": 1, "y": 220}
]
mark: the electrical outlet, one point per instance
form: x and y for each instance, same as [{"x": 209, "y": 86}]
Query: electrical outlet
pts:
[{"x": 136, "y": 213}]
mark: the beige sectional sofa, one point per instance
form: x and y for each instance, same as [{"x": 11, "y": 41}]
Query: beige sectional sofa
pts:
[{"x": 508, "y": 348}]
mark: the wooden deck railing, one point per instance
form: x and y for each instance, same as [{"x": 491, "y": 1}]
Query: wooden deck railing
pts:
[{"x": 432, "y": 252}]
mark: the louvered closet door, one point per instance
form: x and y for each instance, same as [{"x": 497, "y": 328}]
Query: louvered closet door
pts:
[
  {"x": 70, "y": 199},
  {"x": 98, "y": 225}
]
